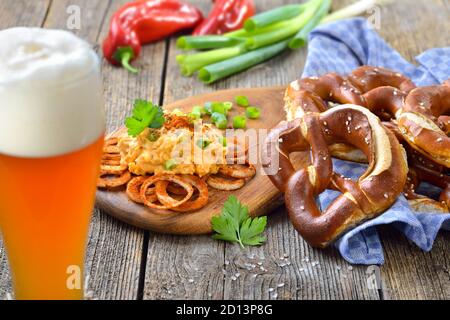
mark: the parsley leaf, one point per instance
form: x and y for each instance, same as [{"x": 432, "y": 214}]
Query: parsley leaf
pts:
[
  {"x": 235, "y": 224},
  {"x": 145, "y": 115}
]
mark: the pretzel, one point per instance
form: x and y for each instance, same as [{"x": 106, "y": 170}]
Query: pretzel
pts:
[
  {"x": 424, "y": 124},
  {"x": 309, "y": 95},
  {"x": 375, "y": 191},
  {"x": 367, "y": 78},
  {"x": 299, "y": 101},
  {"x": 417, "y": 174}
]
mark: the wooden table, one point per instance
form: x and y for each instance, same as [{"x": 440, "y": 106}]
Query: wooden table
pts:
[{"x": 127, "y": 263}]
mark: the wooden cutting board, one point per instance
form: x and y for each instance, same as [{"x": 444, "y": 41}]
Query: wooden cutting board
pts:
[{"x": 258, "y": 194}]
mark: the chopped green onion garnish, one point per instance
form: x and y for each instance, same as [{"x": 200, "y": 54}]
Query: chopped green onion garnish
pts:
[
  {"x": 223, "y": 141},
  {"x": 207, "y": 108},
  {"x": 253, "y": 112},
  {"x": 228, "y": 105},
  {"x": 153, "y": 136},
  {"x": 221, "y": 124},
  {"x": 241, "y": 101},
  {"x": 196, "y": 113},
  {"x": 219, "y": 107},
  {"x": 239, "y": 122},
  {"x": 203, "y": 143},
  {"x": 170, "y": 164},
  {"x": 220, "y": 120},
  {"x": 217, "y": 116}
]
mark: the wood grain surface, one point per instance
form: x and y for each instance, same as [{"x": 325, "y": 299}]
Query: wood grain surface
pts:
[{"x": 127, "y": 263}]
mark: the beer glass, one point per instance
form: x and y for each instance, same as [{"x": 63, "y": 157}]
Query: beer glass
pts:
[{"x": 51, "y": 137}]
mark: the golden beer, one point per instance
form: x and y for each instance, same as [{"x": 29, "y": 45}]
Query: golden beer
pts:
[{"x": 51, "y": 138}]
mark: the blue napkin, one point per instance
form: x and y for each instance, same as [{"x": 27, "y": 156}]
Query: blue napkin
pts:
[{"x": 341, "y": 47}]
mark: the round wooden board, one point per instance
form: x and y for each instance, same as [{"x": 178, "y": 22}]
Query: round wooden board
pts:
[{"x": 258, "y": 194}]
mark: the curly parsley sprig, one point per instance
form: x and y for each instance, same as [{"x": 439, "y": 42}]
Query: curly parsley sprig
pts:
[
  {"x": 145, "y": 115},
  {"x": 235, "y": 224}
]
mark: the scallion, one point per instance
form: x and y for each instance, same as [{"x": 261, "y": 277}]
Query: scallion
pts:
[
  {"x": 196, "y": 113},
  {"x": 289, "y": 28},
  {"x": 301, "y": 38},
  {"x": 203, "y": 143},
  {"x": 354, "y": 9},
  {"x": 228, "y": 105},
  {"x": 220, "y": 70},
  {"x": 191, "y": 63},
  {"x": 239, "y": 122},
  {"x": 272, "y": 16},
  {"x": 206, "y": 42},
  {"x": 241, "y": 101},
  {"x": 170, "y": 164},
  {"x": 253, "y": 112},
  {"x": 223, "y": 141}
]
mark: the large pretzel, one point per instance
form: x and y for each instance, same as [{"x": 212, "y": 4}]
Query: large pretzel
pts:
[{"x": 375, "y": 191}]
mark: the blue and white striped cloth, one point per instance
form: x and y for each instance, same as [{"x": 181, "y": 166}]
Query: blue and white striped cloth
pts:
[{"x": 341, "y": 47}]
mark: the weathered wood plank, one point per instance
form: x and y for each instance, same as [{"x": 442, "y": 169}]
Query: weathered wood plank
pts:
[
  {"x": 301, "y": 279},
  {"x": 24, "y": 13},
  {"x": 15, "y": 13},
  {"x": 410, "y": 273}
]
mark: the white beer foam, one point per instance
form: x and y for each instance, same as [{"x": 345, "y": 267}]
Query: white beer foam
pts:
[{"x": 51, "y": 96}]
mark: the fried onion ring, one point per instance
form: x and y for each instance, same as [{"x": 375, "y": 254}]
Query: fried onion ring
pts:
[
  {"x": 171, "y": 203},
  {"x": 134, "y": 190},
  {"x": 111, "y": 149},
  {"x": 239, "y": 171},
  {"x": 176, "y": 189},
  {"x": 110, "y": 162},
  {"x": 111, "y": 156},
  {"x": 107, "y": 169},
  {"x": 190, "y": 205},
  {"x": 224, "y": 184},
  {"x": 120, "y": 179}
]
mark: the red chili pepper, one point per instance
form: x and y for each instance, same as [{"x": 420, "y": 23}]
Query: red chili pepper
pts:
[
  {"x": 226, "y": 15},
  {"x": 140, "y": 22}
]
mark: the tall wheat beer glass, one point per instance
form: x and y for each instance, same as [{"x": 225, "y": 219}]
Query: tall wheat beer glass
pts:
[{"x": 51, "y": 135}]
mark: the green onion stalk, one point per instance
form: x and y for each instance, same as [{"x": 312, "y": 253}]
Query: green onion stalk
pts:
[
  {"x": 264, "y": 36},
  {"x": 288, "y": 29},
  {"x": 207, "y": 42},
  {"x": 272, "y": 16},
  {"x": 301, "y": 38},
  {"x": 192, "y": 63},
  {"x": 220, "y": 70}
]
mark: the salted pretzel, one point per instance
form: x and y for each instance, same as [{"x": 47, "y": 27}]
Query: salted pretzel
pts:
[
  {"x": 367, "y": 78},
  {"x": 424, "y": 122},
  {"x": 314, "y": 93},
  {"x": 375, "y": 191},
  {"x": 419, "y": 173}
]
